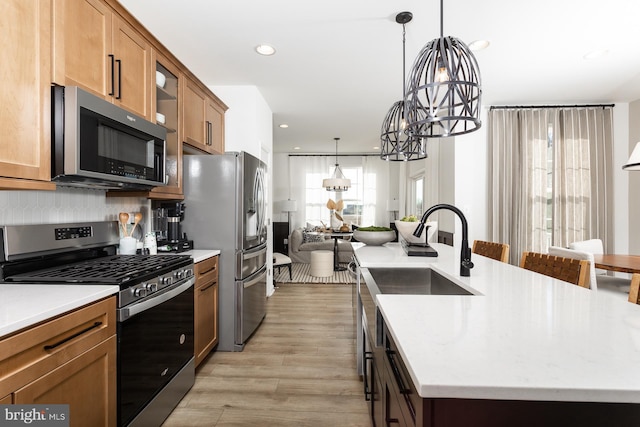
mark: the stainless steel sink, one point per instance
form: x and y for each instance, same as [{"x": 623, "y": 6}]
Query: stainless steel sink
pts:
[{"x": 412, "y": 281}]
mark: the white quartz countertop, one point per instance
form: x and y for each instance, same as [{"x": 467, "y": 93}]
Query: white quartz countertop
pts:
[
  {"x": 25, "y": 305},
  {"x": 197, "y": 254},
  {"x": 523, "y": 336}
]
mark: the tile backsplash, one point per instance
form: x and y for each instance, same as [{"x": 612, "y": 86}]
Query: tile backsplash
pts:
[{"x": 67, "y": 204}]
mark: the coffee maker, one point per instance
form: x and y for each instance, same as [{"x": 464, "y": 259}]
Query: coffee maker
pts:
[{"x": 167, "y": 219}]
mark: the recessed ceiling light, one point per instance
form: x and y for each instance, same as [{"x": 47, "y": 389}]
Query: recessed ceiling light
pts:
[
  {"x": 595, "y": 54},
  {"x": 376, "y": 148},
  {"x": 265, "y": 49},
  {"x": 478, "y": 45},
  {"x": 296, "y": 148},
  {"x": 284, "y": 126}
]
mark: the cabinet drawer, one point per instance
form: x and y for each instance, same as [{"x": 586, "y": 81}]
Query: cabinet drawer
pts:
[
  {"x": 26, "y": 356},
  {"x": 206, "y": 271}
]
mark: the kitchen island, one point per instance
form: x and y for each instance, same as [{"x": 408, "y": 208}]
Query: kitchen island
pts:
[{"x": 521, "y": 337}]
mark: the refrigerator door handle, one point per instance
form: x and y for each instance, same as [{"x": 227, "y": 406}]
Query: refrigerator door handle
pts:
[{"x": 255, "y": 280}]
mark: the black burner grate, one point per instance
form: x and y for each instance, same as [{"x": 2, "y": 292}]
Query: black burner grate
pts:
[{"x": 117, "y": 270}]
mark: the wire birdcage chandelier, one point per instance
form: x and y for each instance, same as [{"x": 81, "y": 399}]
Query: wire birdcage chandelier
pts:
[
  {"x": 444, "y": 91},
  {"x": 397, "y": 142}
]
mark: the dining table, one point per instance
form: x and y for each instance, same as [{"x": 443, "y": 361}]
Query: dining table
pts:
[{"x": 619, "y": 263}]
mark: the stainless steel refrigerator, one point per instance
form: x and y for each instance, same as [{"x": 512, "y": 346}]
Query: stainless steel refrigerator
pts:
[{"x": 225, "y": 202}]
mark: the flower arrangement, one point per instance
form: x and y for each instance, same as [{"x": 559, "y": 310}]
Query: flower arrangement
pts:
[{"x": 335, "y": 217}]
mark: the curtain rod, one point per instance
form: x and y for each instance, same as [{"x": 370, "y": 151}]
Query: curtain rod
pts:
[
  {"x": 504, "y": 107},
  {"x": 332, "y": 155}
]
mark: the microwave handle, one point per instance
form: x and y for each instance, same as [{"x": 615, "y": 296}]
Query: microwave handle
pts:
[{"x": 112, "y": 75}]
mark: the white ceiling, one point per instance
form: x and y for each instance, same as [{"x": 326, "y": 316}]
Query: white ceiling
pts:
[{"x": 338, "y": 65}]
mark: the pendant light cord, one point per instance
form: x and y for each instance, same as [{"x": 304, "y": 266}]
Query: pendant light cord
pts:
[
  {"x": 441, "y": 19},
  {"x": 404, "y": 80}
]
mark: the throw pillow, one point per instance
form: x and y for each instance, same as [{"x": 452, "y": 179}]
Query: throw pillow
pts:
[{"x": 311, "y": 238}]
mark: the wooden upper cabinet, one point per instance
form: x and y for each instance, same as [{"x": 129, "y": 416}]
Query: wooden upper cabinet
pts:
[
  {"x": 132, "y": 69},
  {"x": 215, "y": 116},
  {"x": 202, "y": 119},
  {"x": 25, "y": 95},
  {"x": 194, "y": 102},
  {"x": 166, "y": 103},
  {"x": 96, "y": 50}
]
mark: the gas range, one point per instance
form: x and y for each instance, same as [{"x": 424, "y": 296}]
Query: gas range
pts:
[
  {"x": 155, "y": 306},
  {"x": 85, "y": 253}
]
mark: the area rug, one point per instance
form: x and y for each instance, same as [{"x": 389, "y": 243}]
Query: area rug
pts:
[{"x": 300, "y": 273}]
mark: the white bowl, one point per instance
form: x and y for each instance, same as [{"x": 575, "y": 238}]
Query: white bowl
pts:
[
  {"x": 160, "y": 118},
  {"x": 374, "y": 238},
  {"x": 160, "y": 79},
  {"x": 406, "y": 229}
]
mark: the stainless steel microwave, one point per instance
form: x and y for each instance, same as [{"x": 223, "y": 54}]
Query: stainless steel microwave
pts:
[{"x": 98, "y": 144}]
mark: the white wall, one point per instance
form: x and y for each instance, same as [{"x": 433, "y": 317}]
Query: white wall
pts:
[
  {"x": 249, "y": 127},
  {"x": 471, "y": 180}
]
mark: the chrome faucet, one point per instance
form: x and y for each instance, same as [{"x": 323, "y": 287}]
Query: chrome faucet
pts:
[{"x": 465, "y": 252}]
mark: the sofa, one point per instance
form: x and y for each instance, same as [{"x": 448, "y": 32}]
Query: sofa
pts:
[{"x": 301, "y": 246}]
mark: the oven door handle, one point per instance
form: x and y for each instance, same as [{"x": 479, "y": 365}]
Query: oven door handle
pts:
[{"x": 128, "y": 312}]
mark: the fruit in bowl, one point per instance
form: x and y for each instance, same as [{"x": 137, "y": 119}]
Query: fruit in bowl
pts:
[
  {"x": 374, "y": 236},
  {"x": 407, "y": 225}
]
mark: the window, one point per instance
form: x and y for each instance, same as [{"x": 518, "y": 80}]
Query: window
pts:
[{"x": 417, "y": 194}]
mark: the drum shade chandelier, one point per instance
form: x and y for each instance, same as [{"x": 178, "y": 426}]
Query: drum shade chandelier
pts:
[
  {"x": 337, "y": 182},
  {"x": 398, "y": 143},
  {"x": 444, "y": 90}
]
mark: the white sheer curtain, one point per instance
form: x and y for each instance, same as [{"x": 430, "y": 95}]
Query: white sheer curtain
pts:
[
  {"x": 517, "y": 179},
  {"x": 370, "y": 187},
  {"x": 305, "y": 181},
  {"x": 520, "y": 172},
  {"x": 583, "y": 189},
  {"x": 375, "y": 172}
]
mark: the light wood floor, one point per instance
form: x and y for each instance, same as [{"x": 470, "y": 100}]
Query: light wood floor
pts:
[{"x": 298, "y": 369}]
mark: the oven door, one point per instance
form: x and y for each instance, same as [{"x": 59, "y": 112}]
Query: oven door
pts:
[{"x": 155, "y": 342}]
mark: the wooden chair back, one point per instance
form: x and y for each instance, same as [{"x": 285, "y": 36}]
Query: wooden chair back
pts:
[
  {"x": 634, "y": 290},
  {"x": 497, "y": 251},
  {"x": 570, "y": 270}
]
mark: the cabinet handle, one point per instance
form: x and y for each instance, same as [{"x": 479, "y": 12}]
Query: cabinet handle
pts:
[
  {"x": 368, "y": 361},
  {"x": 209, "y": 133},
  {"x": 77, "y": 334},
  {"x": 113, "y": 77},
  {"x": 119, "y": 79},
  {"x": 396, "y": 372},
  {"x": 207, "y": 287}
]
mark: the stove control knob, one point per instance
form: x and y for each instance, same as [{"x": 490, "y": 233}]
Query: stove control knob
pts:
[
  {"x": 166, "y": 280},
  {"x": 151, "y": 287},
  {"x": 140, "y": 292},
  {"x": 179, "y": 274}
]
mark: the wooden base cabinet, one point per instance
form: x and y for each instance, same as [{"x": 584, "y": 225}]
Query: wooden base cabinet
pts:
[
  {"x": 68, "y": 360},
  {"x": 25, "y": 95},
  {"x": 206, "y": 307}
]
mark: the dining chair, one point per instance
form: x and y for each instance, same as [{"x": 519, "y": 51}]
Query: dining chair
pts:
[
  {"x": 634, "y": 289},
  {"x": 592, "y": 283},
  {"x": 604, "y": 282},
  {"x": 497, "y": 251},
  {"x": 569, "y": 270}
]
